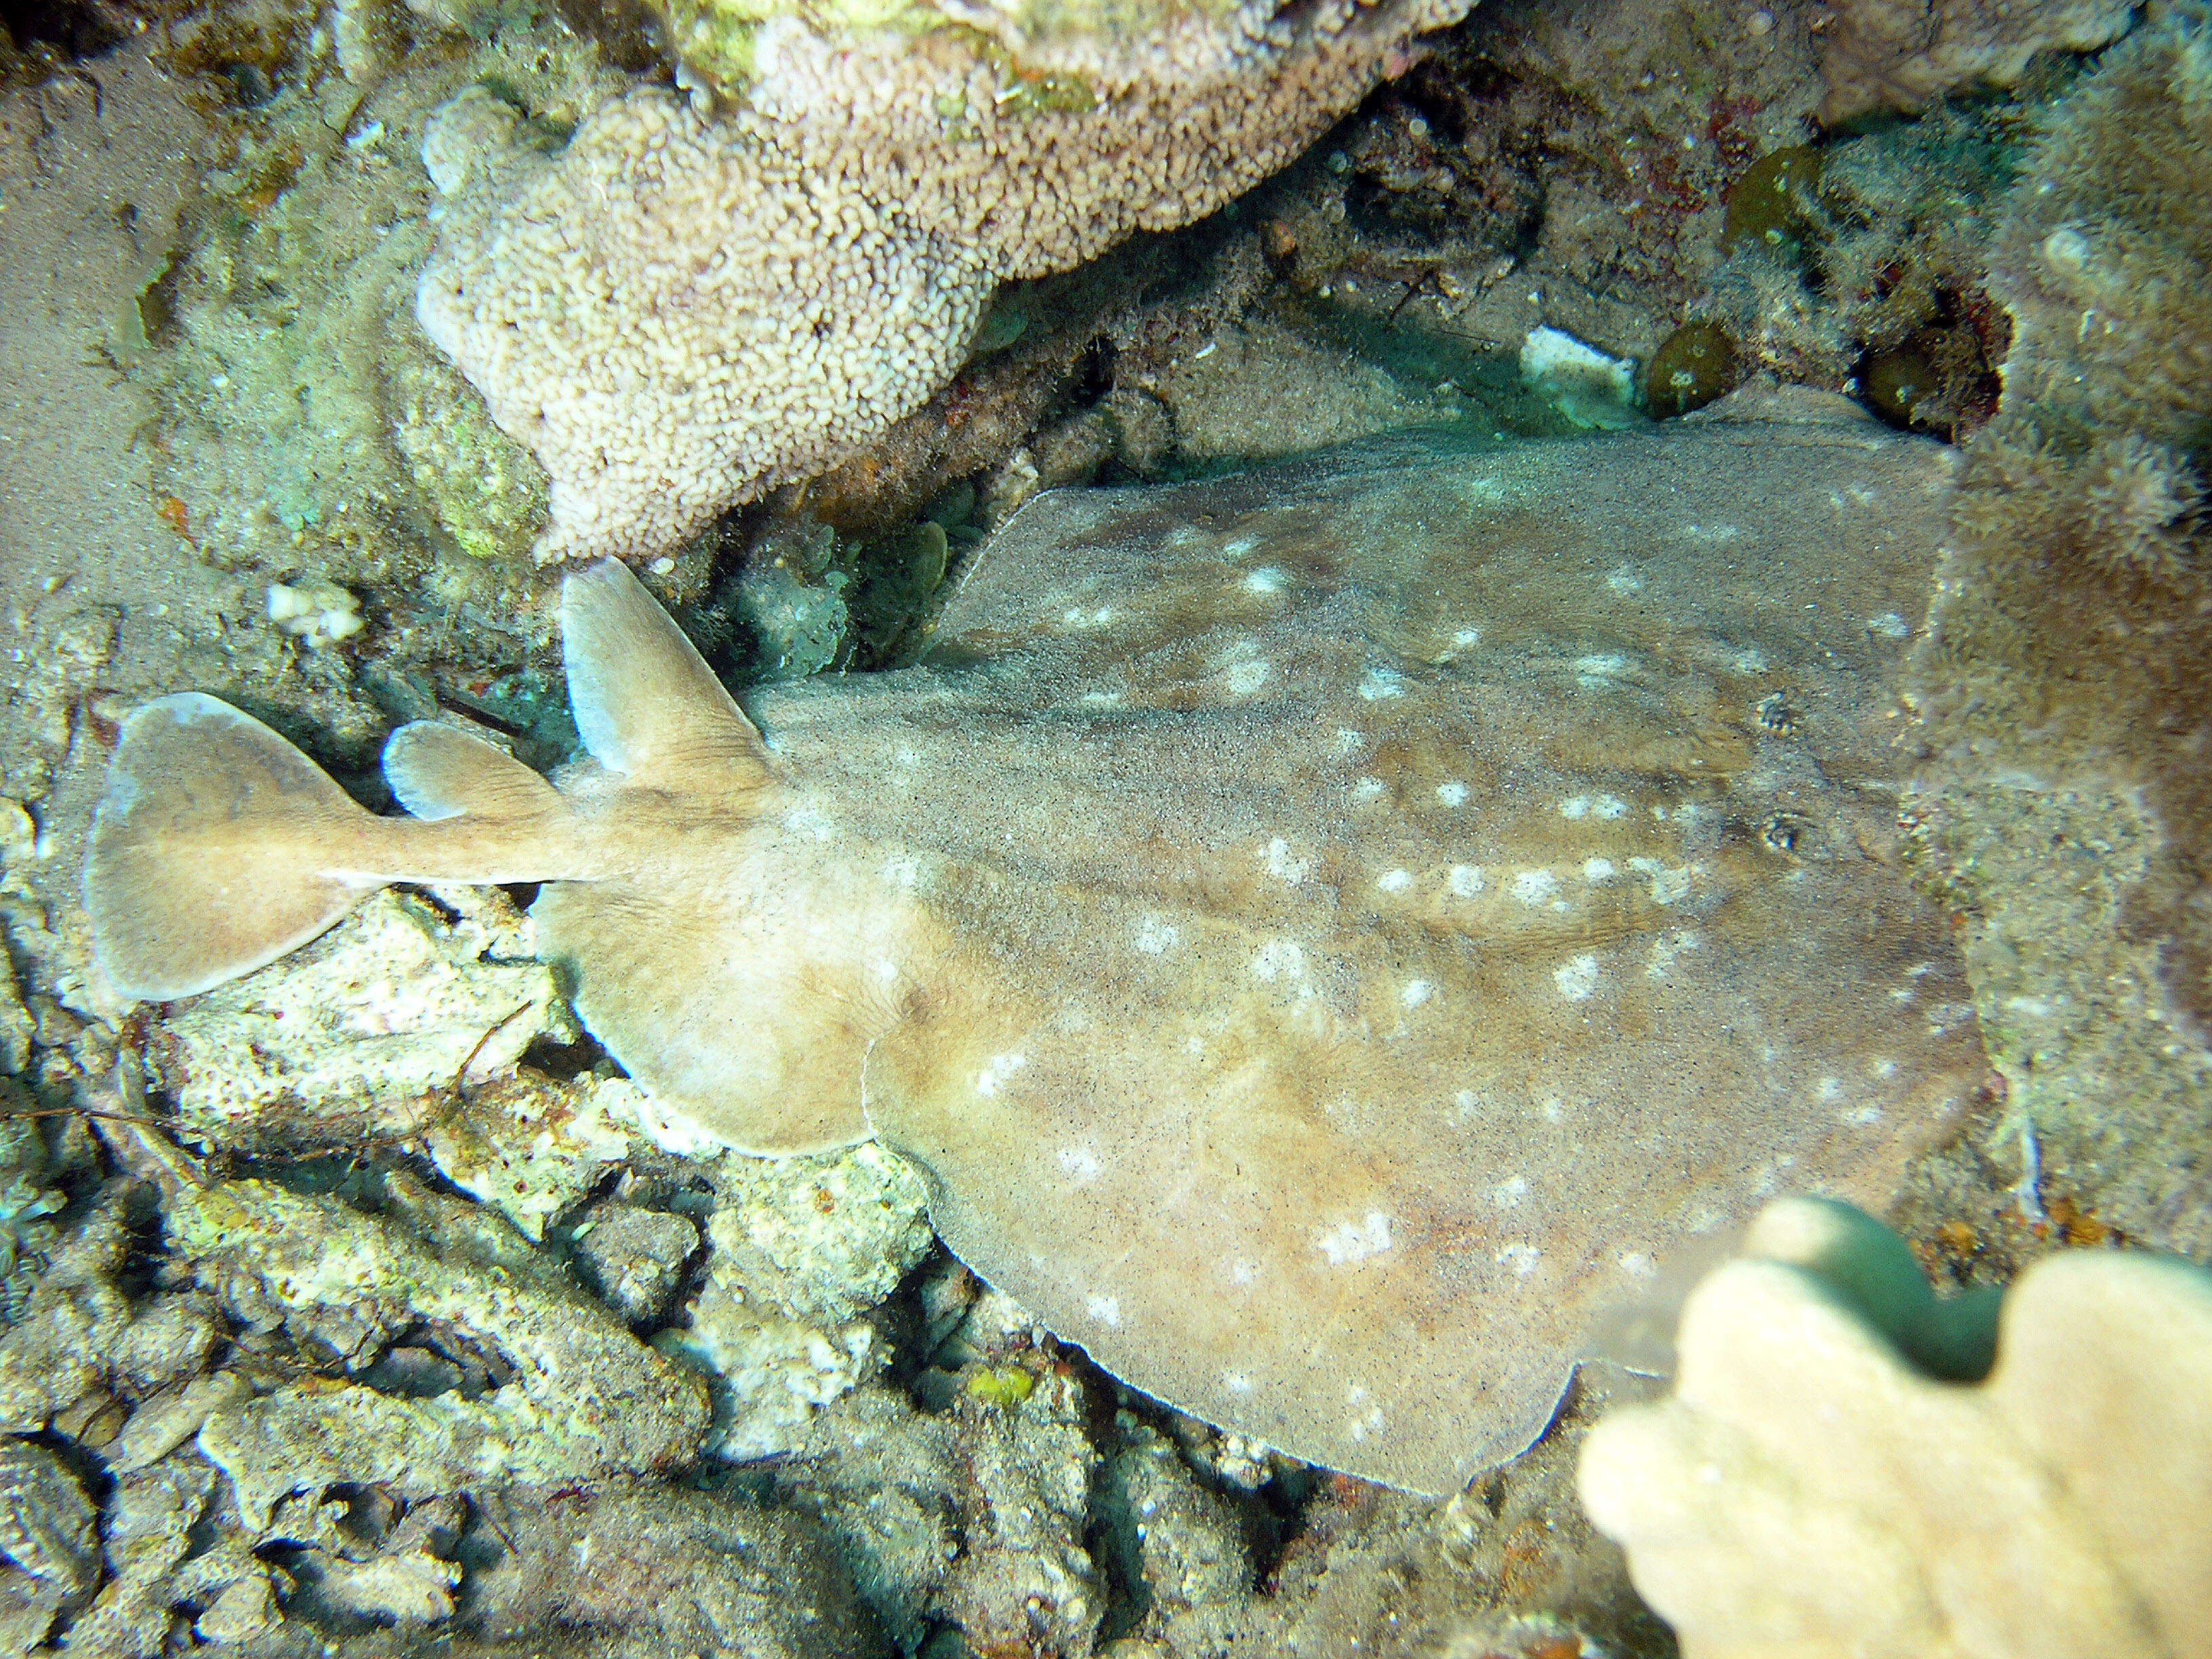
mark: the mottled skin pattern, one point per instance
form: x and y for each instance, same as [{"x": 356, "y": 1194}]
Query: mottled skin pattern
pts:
[{"x": 1332, "y": 938}]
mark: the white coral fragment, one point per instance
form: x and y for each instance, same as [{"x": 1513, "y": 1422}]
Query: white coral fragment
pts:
[
  {"x": 1591, "y": 387},
  {"x": 396, "y": 1004},
  {"x": 318, "y": 613}
]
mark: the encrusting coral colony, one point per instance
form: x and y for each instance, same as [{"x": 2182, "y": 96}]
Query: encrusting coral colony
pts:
[
  {"x": 684, "y": 310},
  {"x": 1516, "y": 652}
]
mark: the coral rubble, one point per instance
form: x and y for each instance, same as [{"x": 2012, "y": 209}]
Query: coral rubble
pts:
[{"x": 560, "y": 1391}]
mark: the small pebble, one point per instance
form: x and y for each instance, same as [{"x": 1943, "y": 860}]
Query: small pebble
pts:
[{"x": 636, "y": 1257}]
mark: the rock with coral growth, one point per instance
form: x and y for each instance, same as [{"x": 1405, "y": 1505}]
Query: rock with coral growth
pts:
[
  {"x": 2065, "y": 677},
  {"x": 1819, "y": 1484},
  {"x": 1904, "y": 55},
  {"x": 682, "y": 311}
]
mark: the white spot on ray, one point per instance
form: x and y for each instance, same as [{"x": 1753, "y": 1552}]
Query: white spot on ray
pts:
[
  {"x": 191, "y": 707},
  {"x": 1276, "y": 855},
  {"x": 1599, "y": 669},
  {"x": 1507, "y": 1195},
  {"x": 1625, "y": 580},
  {"x": 1368, "y": 789},
  {"x": 1577, "y": 977},
  {"x": 1236, "y": 1381},
  {"x": 1637, "y": 1265},
  {"x": 1080, "y": 1162},
  {"x": 1417, "y": 992},
  {"x": 996, "y": 1070},
  {"x": 1241, "y": 1271},
  {"x": 1349, "y": 742},
  {"x": 1466, "y": 880},
  {"x": 1381, "y": 684},
  {"x": 1467, "y": 636},
  {"x": 1521, "y": 1256},
  {"x": 1238, "y": 548},
  {"x": 1355, "y": 1241},
  {"x": 1106, "y": 1309},
  {"x": 1574, "y": 806},
  {"x": 1269, "y": 579},
  {"x": 1155, "y": 937},
  {"x": 1609, "y": 807},
  {"x": 1889, "y": 625},
  {"x": 1666, "y": 885},
  {"x": 1395, "y": 881},
  {"x": 1665, "y": 949},
  {"x": 1279, "y": 958},
  {"x": 1244, "y": 679},
  {"x": 1597, "y": 870},
  {"x": 1535, "y": 886},
  {"x": 1452, "y": 792}
]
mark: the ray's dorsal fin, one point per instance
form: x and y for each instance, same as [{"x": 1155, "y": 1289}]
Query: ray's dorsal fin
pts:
[
  {"x": 440, "y": 771},
  {"x": 645, "y": 702},
  {"x": 210, "y": 852}
]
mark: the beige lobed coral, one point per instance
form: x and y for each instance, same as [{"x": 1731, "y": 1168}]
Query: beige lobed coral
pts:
[
  {"x": 683, "y": 310},
  {"x": 1905, "y": 55},
  {"x": 1813, "y": 1489}
]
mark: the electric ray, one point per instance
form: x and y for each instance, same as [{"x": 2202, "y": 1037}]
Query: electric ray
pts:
[{"x": 1328, "y": 934}]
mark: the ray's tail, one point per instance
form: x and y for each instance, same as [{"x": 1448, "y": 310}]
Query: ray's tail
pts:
[{"x": 218, "y": 845}]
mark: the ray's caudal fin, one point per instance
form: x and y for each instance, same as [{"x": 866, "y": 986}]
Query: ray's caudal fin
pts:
[
  {"x": 203, "y": 862},
  {"x": 218, "y": 847}
]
